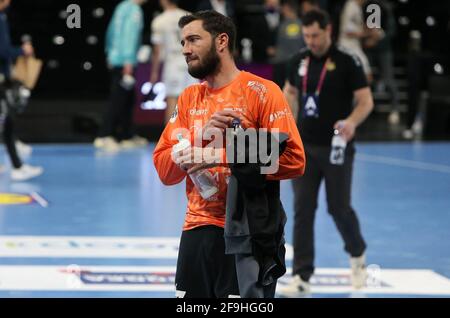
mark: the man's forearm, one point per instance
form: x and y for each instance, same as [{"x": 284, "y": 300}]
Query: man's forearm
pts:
[
  {"x": 155, "y": 63},
  {"x": 361, "y": 111}
]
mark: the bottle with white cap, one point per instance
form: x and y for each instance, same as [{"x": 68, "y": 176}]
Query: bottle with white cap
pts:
[
  {"x": 338, "y": 145},
  {"x": 203, "y": 179}
]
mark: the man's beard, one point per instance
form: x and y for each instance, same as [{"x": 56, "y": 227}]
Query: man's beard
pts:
[{"x": 206, "y": 67}]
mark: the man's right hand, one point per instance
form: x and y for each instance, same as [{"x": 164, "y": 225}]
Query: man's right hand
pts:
[
  {"x": 220, "y": 120},
  {"x": 28, "y": 49}
]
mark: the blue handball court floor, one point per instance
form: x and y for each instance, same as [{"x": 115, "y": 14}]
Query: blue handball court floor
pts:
[{"x": 102, "y": 225}]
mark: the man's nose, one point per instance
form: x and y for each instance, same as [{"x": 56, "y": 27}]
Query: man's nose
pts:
[{"x": 186, "y": 49}]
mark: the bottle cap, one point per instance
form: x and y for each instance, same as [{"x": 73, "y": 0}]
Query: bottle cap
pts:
[
  {"x": 235, "y": 123},
  {"x": 182, "y": 144}
]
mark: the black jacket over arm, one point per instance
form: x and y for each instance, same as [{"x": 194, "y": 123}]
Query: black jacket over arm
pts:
[{"x": 255, "y": 217}]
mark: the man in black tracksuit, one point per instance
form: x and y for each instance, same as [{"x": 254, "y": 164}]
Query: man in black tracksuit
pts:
[{"x": 326, "y": 82}]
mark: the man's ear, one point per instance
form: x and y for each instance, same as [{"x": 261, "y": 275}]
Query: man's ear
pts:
[
  {"x": 222, "y": 42},
  {"x": 330, "y": 28}
]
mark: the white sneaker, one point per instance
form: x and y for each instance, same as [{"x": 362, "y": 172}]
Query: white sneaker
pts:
[
  {"x": 26, "y": 172},
  {"x": 106, "y": 143},
  {"x": 358, "y": 271},
  {"x": 134, "y": 142},
  {"x": 394, "y": 117},
  {"x": 417, "y": 127},
  {"x": 23, "y": 149},
  {"x": 408, "y": 134},
  {"x": 138, "y": 140},
  {"x": 296, "y": 288},
  {"x": 128, "y": 144}
]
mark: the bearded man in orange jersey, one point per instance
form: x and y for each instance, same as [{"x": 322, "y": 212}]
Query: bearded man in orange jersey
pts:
[{"x": 226, "y": 94}]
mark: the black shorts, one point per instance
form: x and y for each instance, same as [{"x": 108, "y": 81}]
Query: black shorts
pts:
[{"x": 203, "y": 269}]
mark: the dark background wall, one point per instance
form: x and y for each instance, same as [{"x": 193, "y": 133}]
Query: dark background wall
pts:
[{"x": 73, "y": 87}]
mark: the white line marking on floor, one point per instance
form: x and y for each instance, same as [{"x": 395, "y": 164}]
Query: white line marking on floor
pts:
[
  {"x": 404, "y": 163},
  {"x": 39, "y": 199}
]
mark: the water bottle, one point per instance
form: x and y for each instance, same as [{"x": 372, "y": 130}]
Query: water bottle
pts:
[
  {"x": 338, "y": 144},
  {"x": 203, "y": 179}
]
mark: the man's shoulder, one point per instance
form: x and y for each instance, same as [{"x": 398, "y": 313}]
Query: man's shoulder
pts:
[
  {"x": 131, "y": 10},
  {"x": 297, "y": 57},
  {"x": 346, "y": 55},
  {"x": 254, "y": 84},
  {"x": 158, "y": 20},
  {"x": 136, "y": 9},
  {"x": 193, "y": 90},
  {"x": 180, "y": 12},
  {"x": 251, "y": 80},
  {"x": 170, "y": 16}
]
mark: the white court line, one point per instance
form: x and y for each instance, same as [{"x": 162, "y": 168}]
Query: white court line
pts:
[
  {"x": 404, "y": 163},
  {"x": 162, "y": 279},
  {"x": 39, "y": 199}
]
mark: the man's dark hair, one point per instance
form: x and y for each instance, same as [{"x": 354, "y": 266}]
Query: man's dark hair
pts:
[
  {"x": 311, "y": 2},
  {"x": 214, "y": 23},
  {"x": 175, "y": 2},
  {"x": 293, "y": 4},
  {"x": 316, "y": 15}
]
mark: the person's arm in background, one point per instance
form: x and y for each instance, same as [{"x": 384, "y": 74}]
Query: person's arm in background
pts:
[
  {"x": 131, "y": 40},
  {"x": 364, "y": 106},
  {"x": 156, "y": 63},
  {"x": 349, "y": 21},
  {"x": 157, "y": 39},
  {"x": 362, "y": 99},
  {"x": 290, "y": 91},
  {"x": 8, "y": 51}
]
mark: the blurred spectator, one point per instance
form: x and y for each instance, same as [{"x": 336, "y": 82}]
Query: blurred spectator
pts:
[
  {"x": 353, "y": 31},
  {"x": 258, "y": 24},
  {"x": 272, "y": 17},
  {"x": 289, "y": 40},
  {"x": 308, "y": 5},
  {"x": 123, "y": 39},
  {"x": 378, "y": 47},
  {"x": 225, "y": 7},
  {"x": 167, "y": 48},
  {"x": 419, "y": 69},
  {"x": 8, "y": 54}
]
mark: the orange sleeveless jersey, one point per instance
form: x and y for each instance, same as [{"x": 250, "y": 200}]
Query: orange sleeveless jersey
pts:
[{"x": 262, "y": 105}]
